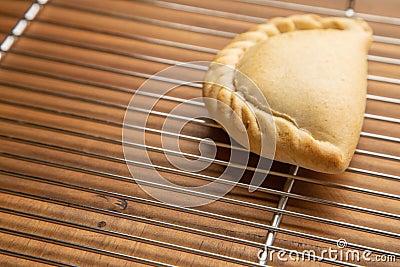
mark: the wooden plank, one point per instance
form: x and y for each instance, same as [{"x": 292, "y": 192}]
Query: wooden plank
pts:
[
  {"x": 115, "y": 25},
  {"x": 383, "y": 8},
  {"x": 10, "y": 13},
  {"x": 340, "y": 5}
]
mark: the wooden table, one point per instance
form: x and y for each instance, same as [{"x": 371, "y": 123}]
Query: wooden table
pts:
[{"x": 67, "y": 195}]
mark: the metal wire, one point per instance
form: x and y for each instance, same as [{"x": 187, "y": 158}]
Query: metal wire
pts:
[
  {"x": 171, "y": 62},
  {"x": 68, "y": 79},
  {"x": 178, "y": 208},
  {"x": 21, "y": 25},
  {"x": 179, "y": 117},
  {"x": 194, "y": 29},
  {"x": 203, "y": 30},
  {"x": 199, "y": 176},
  {"x": 276, "y": 220},
  {"x": 369, "y": 172},
  {"x": 165, "y": 79},
  {"x": 123, "y": 215},
  {"x": 128, "y": 237},
  {"x": 186, "y": 137},
  {"x": 192, "y": 156},
  {"x": 225, "y": 199}
]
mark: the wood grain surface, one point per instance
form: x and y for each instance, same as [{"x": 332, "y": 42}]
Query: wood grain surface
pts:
[{"x": 64, "y": 88}]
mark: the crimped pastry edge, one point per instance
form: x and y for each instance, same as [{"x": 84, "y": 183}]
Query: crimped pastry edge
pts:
[{"x": 293, "y": 144}]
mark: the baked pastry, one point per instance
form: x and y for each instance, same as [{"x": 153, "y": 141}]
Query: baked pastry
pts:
[{"x": 312, "y": 71}]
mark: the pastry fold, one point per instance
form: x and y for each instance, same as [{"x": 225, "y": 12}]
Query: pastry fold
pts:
[{"x": 313, "y": 73}]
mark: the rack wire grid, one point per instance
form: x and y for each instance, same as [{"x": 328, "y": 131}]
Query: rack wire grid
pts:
[{"x": 68, "y": 71}]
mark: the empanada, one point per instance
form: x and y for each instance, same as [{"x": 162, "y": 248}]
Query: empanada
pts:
[{"x": 313, "y": 73}]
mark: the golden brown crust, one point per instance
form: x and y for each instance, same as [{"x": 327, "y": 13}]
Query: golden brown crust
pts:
[{"x": 294, "y": 144}]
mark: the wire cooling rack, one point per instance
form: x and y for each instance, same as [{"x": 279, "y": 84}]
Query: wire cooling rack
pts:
[{"x": 68, "y": 71}]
